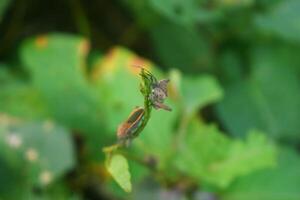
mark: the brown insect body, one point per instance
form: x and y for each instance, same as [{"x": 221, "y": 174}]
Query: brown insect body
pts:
[{"x": 133, "y": 121}]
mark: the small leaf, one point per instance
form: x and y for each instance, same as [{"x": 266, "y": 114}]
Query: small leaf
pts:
[
  {"x": 200, "y": 91},
  {"x": 117, "y": 166}
]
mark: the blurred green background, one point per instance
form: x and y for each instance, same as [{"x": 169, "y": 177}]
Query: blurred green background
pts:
[{"x": 67, "y": 82}]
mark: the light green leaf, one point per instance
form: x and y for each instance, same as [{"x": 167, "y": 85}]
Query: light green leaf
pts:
[
  {"x": 56, "y": 63},
  {"x": 112, "y": 72},
  {"x": 198, "y": 92},
  {"x": 117, "y": 77},
  {"x": 117, "y": 166},
  {"x": 279, "y": 183},
  {"x": 21, "y": 99},
  {"x": 212, "y": 158}
]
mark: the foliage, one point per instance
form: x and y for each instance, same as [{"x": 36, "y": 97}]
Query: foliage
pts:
[
  {"x": 270, "y": 106},
  {"x": 27, "y": 148},
  {"x": 118, "y": 167},
  {"x": 232, "y": 134},
  {"x": 264, "y": 184},
  {"x": 3, "y": 5},
  {"x": 282, "y": 20},
  {"x": 200, "y": 158}
]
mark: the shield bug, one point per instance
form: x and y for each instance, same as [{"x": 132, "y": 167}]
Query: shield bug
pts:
[{"x": 129, "y": 127}]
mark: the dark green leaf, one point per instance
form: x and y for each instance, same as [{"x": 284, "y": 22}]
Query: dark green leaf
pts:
[
  {"x": 268, "y": 100},
  {"x": 183, "y": 12},
  {"x": 180, "y": 47}
]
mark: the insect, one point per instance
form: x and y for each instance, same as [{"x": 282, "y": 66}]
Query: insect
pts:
[
  {"x": 158, "y": 92},
  {"x": 127, "y": 128},
  {"x": 155, "y": 92}
]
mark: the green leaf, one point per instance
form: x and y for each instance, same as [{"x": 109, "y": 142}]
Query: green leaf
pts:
[
  {"x": 10, "y": 180},
  {"x": 239, "y": 3},
  {"x": 198, "y": 92},
  {"x": 30, "y": 147},
  {"x": 56, "y": 63},
  {"x": 148, "y": 80},
  {"x": 212, "y": 158},
  {"x": 282, "y": 20},
  {"x": 182, "y": 48},
  {"x": 143, "y": 13},
  {"x": 183, "y": 12},
  {"x": 279, "y": 183},
  {"x": 119, "y": 84},
  {"x": 21, "y": 99},
  {"x": 119, "y": 80},
  {"x": 117, "y": 77},
  {"x": 5, "y": 76},
  {"x": 18, "y": 98},
  {"x": 117, "y": 166},
  {"x": 238, "y": 110},
  {"x": 263, "y": 101},
  {"x": 230, "y": 66},
  {"x": 157, "y": 137}
]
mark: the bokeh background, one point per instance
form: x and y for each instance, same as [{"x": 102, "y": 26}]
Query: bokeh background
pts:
[{"x": 67, "y": 81}]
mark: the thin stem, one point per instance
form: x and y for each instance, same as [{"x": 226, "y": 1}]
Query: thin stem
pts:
[{"x": 112, "y": 148}]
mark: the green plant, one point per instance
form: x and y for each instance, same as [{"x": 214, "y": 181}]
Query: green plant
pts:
[
  {"x": 154, "y": 93},
  {"x": 232, "y": 70}
]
